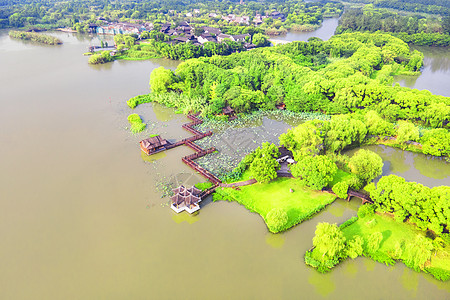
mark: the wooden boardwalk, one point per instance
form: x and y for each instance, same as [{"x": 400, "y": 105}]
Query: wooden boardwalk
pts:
[{"x": 199, "y": 152}]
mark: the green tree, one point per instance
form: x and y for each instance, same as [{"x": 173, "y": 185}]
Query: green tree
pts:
[
  {"x": 329, "y": 241},
  {"x": 161, "y": 79},
  {"x": 376, "y": 125},
  {"x": 406, "y": 131},
  {"x": 316, "y": 171},
  {"x": 341, "y": 189},
  {"x": 355, "y": 247},
  {"x": 374, "y": 241},
  {"x": 260, "y": 40},
  {"x": 342, "y": 131},
  {"x": 419, "y": 252},
  {"x": 305, "y": 139},
  {"x": 264, "y": 169},
  {"x": 436, "y": 142},
  {"x": 276, "y": 220},
  {"x": 367, "y": 165}
]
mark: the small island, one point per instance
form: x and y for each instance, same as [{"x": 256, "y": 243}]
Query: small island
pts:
[{"x": 35, "y": 37}]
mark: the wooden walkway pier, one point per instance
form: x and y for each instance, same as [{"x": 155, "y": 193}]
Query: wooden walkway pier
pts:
[{"x": 199, "y": 152}]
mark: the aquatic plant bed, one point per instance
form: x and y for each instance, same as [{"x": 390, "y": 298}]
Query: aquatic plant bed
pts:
[
  {"x": 398, "y": 243},
  {"x": 299, "y": 205}
]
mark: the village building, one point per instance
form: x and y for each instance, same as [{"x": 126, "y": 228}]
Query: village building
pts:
[
  {"x": 212, "y": 30},
  {"x": 206, "y": 37},
  {"x": 123, "y": 28},
  {"x": 278, "y": 16},
  {"x": 235, "y": 38},
  {"x": 241, "y": 20},
  {"x": 258, "y": 19},
  {"x": 154, "y": 144}
]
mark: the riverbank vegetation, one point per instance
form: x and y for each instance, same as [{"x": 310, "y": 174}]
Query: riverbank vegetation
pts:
[
  {"x": 349, "y": 73},
  {"x": 411, "y": 230},
  {"x": 280, "y": 208},
  {"x": 437, "y": 7},
  {"x": 412, "y": 29},
  {"x": 35, "y": 37}
]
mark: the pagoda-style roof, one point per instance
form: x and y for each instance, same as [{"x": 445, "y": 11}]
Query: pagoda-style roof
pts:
[
  {"x": 227, "y": 110},
  {"x": 194, "y": 191},
  {"x": 154, "y": 142},
  {"x": 192, "y": 200},
  {"x": 188, "y": 196}
]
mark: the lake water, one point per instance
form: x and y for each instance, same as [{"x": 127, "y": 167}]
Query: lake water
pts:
[
  {"x": 81, "y": 216},
  {"x": 435, "y": 75},
  {"x": 324, "y": 32}
]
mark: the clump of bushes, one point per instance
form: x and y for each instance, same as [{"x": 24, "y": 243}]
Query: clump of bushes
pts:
[
  {"x": 136, "y": 123},
  {"x": 35, "y": 37},
  {"x": 135, "y": 101},
  {"x": 100, "y": 58},
  {"x": 276, "y": 220}
]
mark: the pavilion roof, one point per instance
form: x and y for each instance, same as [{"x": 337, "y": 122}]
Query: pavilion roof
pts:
[{"x": 154, "y": 142}]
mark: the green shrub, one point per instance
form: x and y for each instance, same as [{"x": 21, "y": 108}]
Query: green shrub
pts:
[
  {"x": 355, "y": 247},
  {"x": 204, "y": 185},
  {"x": 374, "y": 241},
  {"x": 366, "y": 210},
  {"x": 341, "y": 189},
  {"x": 439, "y": 274},
  {"x": 348, "y": 222},
  {"x": 276, "y": 219},
  {"x": 397, "y": 252}
]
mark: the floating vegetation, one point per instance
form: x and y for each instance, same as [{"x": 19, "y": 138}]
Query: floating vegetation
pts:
[
  {"x": 136, "y": 123},
  {"x": 235, "y": 139}
]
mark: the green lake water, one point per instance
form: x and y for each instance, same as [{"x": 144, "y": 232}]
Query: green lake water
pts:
[{"x": 81, "y": 217}]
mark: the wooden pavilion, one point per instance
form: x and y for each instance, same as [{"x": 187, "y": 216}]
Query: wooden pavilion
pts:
[
  {"x": 154, "y": 145},
  {"x": 228, "y": 111},
  {"x": 186, "y": 199}
]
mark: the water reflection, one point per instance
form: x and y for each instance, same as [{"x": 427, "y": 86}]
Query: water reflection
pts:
[
  {"x": 350, "y": 268},
  {"x": 275, "y": 240},
  {"x": 410, "y": 280},
  {"x": 324, "y": 283},
  {"x": 163, "y": 113},
  {"x": 325, "y": 32},
  {"x": 435, "y": 74},
  {"x": 186, "y": 217},
  {"x": 425, "y": 169}
]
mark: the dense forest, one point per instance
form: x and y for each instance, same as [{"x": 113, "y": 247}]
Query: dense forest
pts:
[
  {"x": 416, "y": 29},
  {"x": 79, "y": 14},
  {"x": 348, "y": 73},
  {"x": 424, "y": 6}
]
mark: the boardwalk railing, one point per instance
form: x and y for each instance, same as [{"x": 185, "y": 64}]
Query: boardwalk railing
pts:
[{"x": 188, "y": 160}]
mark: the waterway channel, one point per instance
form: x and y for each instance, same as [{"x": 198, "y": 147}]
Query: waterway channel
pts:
[{"x": 81, "y": 217}]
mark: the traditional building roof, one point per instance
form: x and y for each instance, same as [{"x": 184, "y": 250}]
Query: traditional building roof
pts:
[
  {"x": 154, "y": 142},
  {"x": 212, "y": 30},
  {"x": 227, "y": 110},
  {"x": 188, "y": 196}
]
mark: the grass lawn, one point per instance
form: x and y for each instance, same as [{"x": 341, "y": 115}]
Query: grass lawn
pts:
[
  {"x": 340, "y": 176},
  {"x": 394, "y": 232},
  {"x": 299, "y": 205}
]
